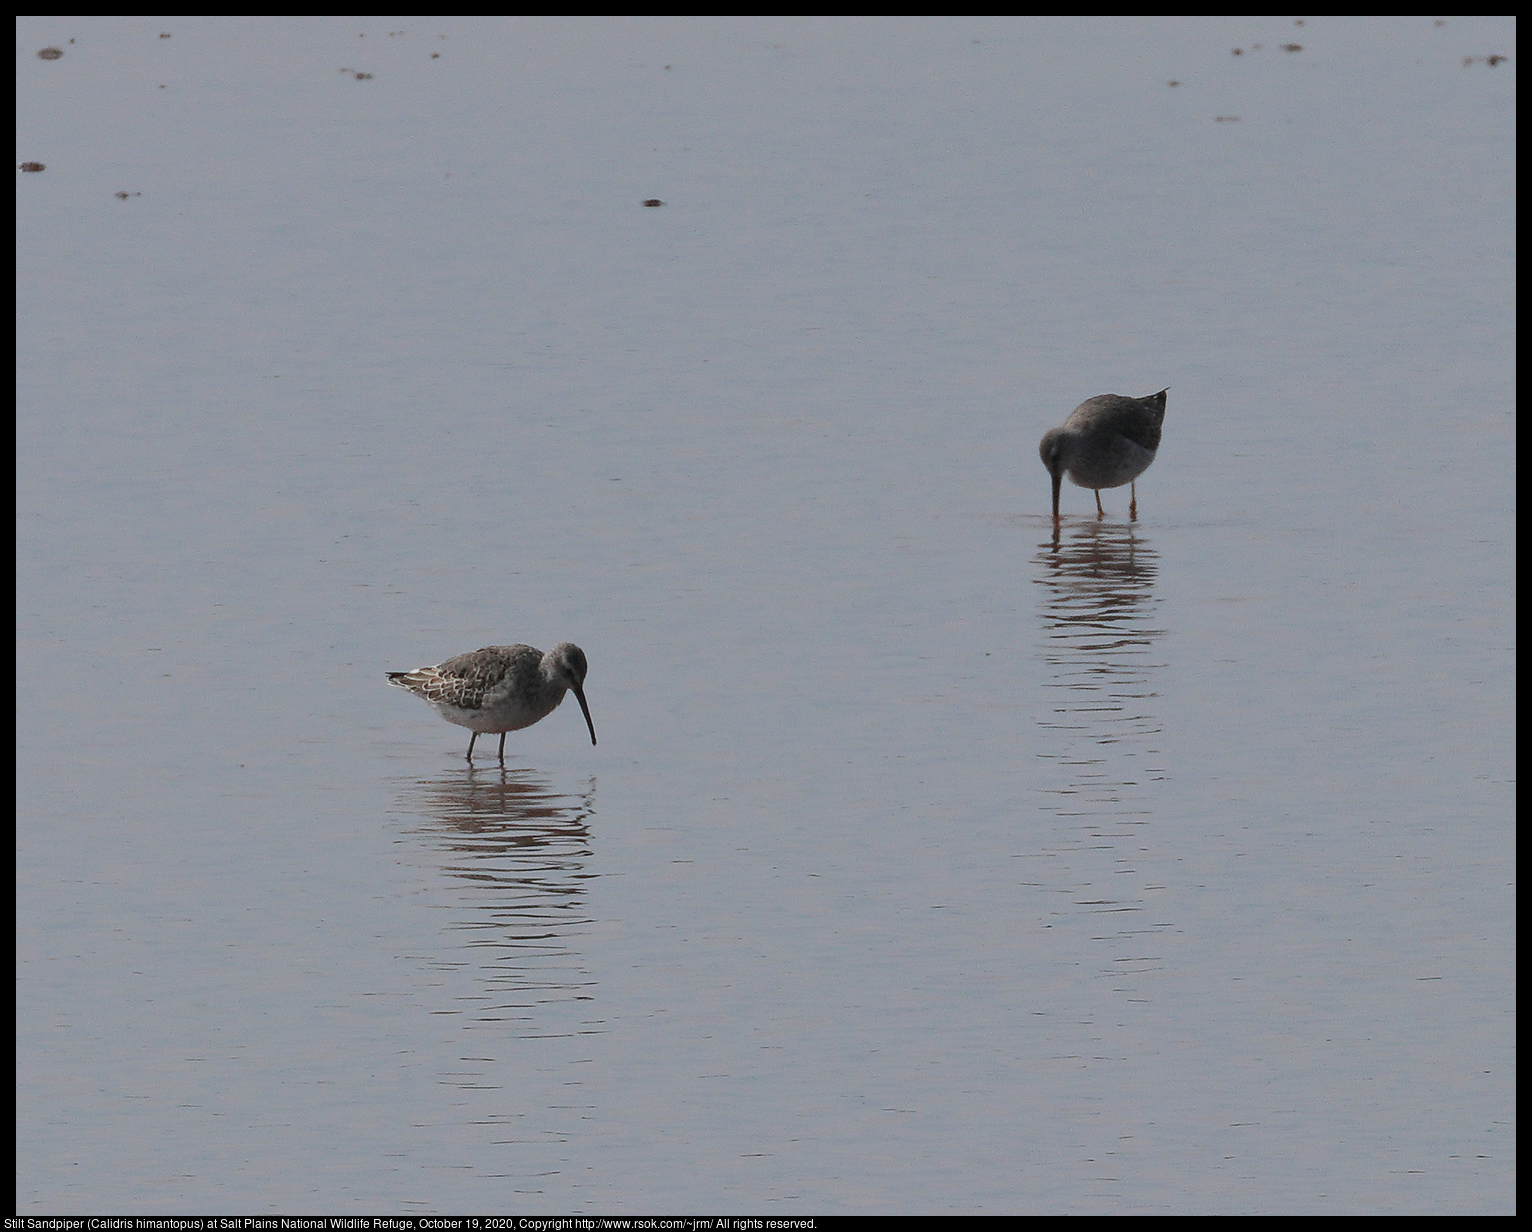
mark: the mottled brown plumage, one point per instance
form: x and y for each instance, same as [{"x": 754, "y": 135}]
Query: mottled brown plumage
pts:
[{"x": 500, "y": 688}]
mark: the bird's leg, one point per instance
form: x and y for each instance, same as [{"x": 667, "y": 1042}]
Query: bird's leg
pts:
[
  {"x": 1133, "y": 505},
  {"x": 502, "y": 748},
  {"x": 471, "y": 739},
  {"x": 1100, "y": 512}
]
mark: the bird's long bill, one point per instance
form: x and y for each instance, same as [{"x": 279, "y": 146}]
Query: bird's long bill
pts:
[
  {"x": 1058, "y": 478},
  {"x": 580, "y": 697}
]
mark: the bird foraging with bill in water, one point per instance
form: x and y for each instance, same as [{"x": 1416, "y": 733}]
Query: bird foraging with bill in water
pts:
[
  {"x": 500, "y": 688},
  {"x": 1107, "y": 441}
]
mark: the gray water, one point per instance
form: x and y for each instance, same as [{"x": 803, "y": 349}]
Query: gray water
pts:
[{"x": 926, "y": 863}]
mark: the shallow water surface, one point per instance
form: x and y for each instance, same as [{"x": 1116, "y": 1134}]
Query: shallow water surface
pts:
[{"x": 932, "y": 859}]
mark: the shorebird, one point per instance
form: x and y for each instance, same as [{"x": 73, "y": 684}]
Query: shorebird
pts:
[
  {"x": 500, "y": 688},
  {"x": 1107, "y": 441}
]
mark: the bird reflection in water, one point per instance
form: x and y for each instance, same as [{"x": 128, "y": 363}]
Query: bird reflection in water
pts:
[
  {"x": 516, "y": 855},
  {"x": 1098, "y": 620},
  {"x": 1100, "y": 732}
]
